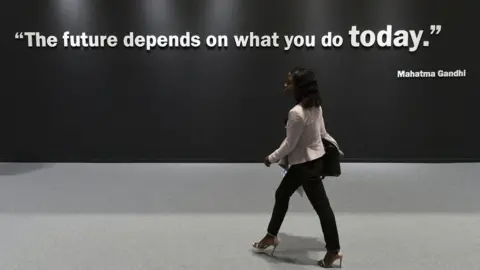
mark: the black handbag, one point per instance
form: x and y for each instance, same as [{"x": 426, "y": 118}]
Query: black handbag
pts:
[{"x": 331, "y": 160}]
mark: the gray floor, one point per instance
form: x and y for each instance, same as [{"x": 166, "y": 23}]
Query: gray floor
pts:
[{"x": 205, "y": 216}]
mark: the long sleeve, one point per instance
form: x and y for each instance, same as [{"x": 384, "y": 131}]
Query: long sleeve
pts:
[
  {"x": 323, "y": 130},
  {"x": 294, "y": 127},
  {"x": 328, "y": 137}
]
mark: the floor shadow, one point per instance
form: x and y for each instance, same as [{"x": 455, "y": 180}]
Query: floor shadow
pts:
[
  {"x": 22, "y": 168},
  {"x": 296, "y": 250}
]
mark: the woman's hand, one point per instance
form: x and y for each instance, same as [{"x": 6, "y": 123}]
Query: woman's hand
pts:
[{"x": 267, "y": 162}]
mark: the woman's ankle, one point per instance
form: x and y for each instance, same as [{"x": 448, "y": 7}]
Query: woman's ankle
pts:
[{"x": 271, "y": 235}]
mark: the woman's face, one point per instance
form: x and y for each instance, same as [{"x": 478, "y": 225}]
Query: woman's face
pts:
[{"x": 288, "y": 86}]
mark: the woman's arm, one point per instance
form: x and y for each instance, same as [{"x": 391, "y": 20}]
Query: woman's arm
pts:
[
  {"x": 328, "y": 137},
  {"x": 295, "y": 126},
  {"x": 323, "y": 130}
]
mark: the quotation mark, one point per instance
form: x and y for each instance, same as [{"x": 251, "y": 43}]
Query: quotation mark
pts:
[
  {"x": 434, "y": 30},
  {"x": 19, "y": 35}
]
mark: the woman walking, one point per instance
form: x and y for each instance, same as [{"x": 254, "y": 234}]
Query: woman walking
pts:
[{"x": 303, "y": 148}]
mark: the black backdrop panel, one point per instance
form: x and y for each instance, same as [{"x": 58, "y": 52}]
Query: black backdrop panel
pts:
[{"x": 227, "y": 105}]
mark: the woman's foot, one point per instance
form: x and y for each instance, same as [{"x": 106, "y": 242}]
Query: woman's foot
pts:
[
  {"x": 330, "y": 258},
  {"x": 266, "y": 242}
]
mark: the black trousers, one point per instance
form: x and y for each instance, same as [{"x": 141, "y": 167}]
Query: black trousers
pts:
[{"x": 306, "y": 175}]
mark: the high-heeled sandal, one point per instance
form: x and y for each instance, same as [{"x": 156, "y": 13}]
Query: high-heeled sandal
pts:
[
  {"x": 330, "y": 258},
  {"x": 262, "y": 245}
]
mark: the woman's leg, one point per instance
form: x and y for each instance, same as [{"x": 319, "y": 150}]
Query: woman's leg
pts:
[
  {"x": 292, "y": 180},
  {"x": 315, "y": 191}
]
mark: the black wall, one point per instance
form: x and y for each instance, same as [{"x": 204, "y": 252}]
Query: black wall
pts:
[{"x": 227, "y": 105}]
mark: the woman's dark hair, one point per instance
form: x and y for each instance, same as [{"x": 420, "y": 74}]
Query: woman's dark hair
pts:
[
  {"x": 305, "y": 88},
  {"x": 296, "y": 70}
]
